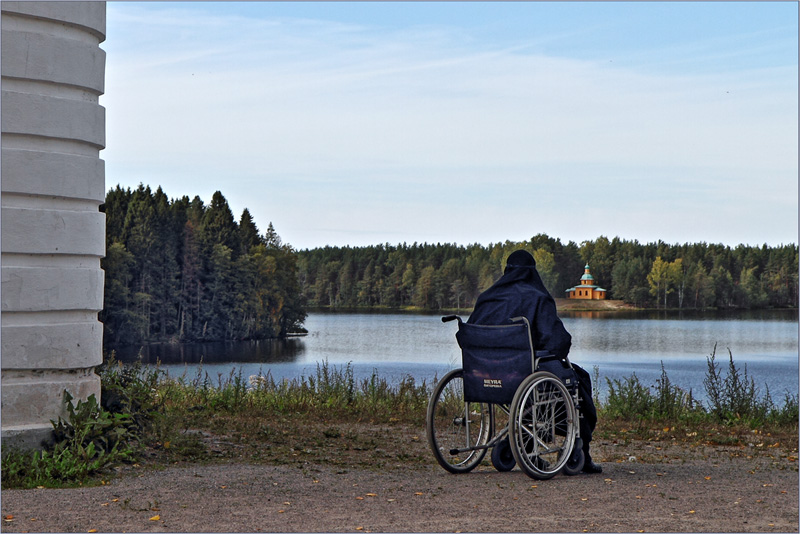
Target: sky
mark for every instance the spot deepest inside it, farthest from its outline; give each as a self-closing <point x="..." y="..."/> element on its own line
<point x="364" y="123"/>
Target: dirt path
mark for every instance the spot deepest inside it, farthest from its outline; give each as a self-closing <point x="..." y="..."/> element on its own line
<point x="678" y="490"/>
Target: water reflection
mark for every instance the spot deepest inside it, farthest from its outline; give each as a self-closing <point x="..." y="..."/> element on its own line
<point x="764" y="339"/>
<point x="584" y="314"/>
<point x="260" y="351"/>
<point x="787" y="315"/>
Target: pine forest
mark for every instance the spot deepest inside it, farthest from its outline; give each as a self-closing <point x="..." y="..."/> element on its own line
<point x="178" y="270"/>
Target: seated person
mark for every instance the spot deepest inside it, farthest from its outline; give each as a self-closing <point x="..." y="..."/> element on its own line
<point x="521" y="292"/>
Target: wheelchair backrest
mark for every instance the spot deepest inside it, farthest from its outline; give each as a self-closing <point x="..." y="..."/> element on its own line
<point x="496" y="359"/>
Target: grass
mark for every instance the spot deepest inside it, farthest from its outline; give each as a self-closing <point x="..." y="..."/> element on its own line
<point x="330" y="395"/>
<point x="333" y="419"/>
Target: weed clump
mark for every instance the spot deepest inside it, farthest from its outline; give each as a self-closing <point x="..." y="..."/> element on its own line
<point x="89" y="440"/>
<point x="94" y="435"/>
<point x="733" y="397"/>
<point x="630" y="399"/>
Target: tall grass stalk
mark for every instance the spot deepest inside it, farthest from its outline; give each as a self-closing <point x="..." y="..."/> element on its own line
<point x="732" y="398"/>
<point x="331" y="393"/>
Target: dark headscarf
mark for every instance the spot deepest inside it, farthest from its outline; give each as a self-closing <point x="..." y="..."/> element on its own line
<point x="521" y="292"/>
<point x="521" y="267"/>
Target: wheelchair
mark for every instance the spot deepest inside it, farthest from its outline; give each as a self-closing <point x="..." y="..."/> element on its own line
<point x="531" y="396"/>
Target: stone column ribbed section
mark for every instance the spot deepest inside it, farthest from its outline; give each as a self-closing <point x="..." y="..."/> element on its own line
<point x="53" y="233"/>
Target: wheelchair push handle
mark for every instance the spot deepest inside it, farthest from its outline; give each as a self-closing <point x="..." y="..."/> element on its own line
<point x="448" y="318"/>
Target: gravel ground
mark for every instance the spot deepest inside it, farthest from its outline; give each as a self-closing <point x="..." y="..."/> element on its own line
<point x="658" y="488"/>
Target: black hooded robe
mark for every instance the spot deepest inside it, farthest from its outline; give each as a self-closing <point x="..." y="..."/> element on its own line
<point x="521" y="292"/>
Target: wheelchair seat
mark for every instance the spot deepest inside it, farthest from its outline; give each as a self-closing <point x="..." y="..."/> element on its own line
<point x="496" y="359"/>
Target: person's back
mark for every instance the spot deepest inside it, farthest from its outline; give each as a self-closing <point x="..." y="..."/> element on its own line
<point x="521" y="292"/>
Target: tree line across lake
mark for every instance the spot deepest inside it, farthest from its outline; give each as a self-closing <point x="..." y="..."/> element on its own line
<point x="180" y="270"/>
<point x="652" y="275"/>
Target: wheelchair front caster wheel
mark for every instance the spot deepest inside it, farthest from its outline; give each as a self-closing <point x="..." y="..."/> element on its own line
<point x="502" y="457"/>
<point x="575" y="463"/>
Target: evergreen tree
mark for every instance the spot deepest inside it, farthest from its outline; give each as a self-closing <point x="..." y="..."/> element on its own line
<point x="218" y="227"/>
<point x="181" y="271"/>
<point x="248" y="233"/>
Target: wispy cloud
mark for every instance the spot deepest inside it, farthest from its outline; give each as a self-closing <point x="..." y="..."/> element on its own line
<point x="380" y="122"/>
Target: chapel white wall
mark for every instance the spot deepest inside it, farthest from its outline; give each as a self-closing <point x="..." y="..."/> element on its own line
<point x="52" y="233"/>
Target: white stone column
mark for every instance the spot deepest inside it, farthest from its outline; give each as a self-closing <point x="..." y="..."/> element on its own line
<point x="52" y="233"/>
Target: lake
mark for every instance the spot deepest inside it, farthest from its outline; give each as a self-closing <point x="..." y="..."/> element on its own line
<point x="619" y="344"/>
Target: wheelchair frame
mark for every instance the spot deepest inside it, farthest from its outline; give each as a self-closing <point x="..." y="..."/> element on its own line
<point x="541" y="434"/>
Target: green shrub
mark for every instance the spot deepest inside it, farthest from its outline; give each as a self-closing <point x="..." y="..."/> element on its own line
<point x="95" y="434"/>
<point x="89" y="440"/>
<point x="786" y="415"/>
<point x="131" y="390"/>
<point x="734" y="396"/>
<point x="628" y="399"/>
<point x="671" y="402"/>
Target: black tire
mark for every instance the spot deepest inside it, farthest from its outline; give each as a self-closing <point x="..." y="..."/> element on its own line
<point x="575" y="463"/>
<point x="502" y="457"/>
<point x="452" y="423"/>
<point x="542" y="425"/>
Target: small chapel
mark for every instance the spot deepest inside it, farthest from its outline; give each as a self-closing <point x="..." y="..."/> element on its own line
<point x="587" y="290"/>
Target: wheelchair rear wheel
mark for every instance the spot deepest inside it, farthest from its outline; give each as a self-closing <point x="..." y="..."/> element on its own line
<point x="542" y="426"/>
<point x="455" y="427"/>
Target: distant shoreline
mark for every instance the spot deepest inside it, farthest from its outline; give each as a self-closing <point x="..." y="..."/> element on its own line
<point x="593" y="305"/>
<point x="562" y="304"/>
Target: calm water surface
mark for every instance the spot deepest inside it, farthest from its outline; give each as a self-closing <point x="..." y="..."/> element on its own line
<point x="619" y="345"/>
